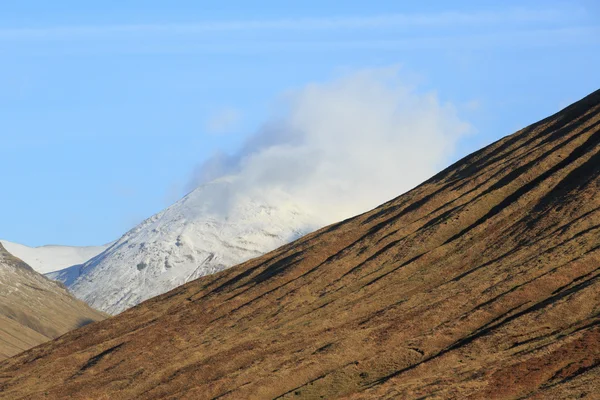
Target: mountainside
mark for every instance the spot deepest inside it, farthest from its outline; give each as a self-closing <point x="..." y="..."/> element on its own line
<point x="483" y="282"/>
<point x="194" y="237"/>
<point x="34" y="309"/>
<point x="45" y="259"/>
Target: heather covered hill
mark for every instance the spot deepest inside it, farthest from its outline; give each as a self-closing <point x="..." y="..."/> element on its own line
<point x="483" y="282"/>
<point x="34" y="309"/>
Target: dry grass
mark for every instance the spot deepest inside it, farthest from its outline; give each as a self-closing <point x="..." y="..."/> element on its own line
<point x="484" y="282"/>
<point x="34" y="310"/>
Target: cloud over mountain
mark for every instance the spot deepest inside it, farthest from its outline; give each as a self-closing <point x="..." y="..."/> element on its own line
<point x="342" y="147"/>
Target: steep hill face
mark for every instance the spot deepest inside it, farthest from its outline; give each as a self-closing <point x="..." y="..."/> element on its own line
<point x="192" y="238"/>
<point x="34" y="309"/>
<point x="45" y="259"/>
<point x="483" y="282"/>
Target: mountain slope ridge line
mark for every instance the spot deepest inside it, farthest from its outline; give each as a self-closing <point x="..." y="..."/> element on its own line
<point x="383" y="305"/>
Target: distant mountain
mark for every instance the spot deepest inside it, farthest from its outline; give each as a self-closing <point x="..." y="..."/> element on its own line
<point x="45" y="259"/>
<point x="34" y="309"/>
<point x="194" y="237"/>
<point x="481" y="283"/>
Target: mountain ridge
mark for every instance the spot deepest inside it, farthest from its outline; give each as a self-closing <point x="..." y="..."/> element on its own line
<point x="34" y="309"/>
<point x="484" y="281"/>
<point x="50" y="258"/>
<point x="196" y="236"/>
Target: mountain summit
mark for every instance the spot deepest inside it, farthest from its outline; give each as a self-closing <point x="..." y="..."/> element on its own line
<point x="198" y="235"/>
<point x="483" y="282"/>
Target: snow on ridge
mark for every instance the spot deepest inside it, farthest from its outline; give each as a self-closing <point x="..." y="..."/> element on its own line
<point x="50" y="258"/>
<point x="196" y="236"/>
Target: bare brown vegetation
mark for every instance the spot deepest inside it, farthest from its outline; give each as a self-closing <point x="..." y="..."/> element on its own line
<point x="483" y="282"/>
<point x="34" y="309"/>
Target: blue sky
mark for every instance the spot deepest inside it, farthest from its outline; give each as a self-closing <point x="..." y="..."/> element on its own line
<point x="107" y="108"/>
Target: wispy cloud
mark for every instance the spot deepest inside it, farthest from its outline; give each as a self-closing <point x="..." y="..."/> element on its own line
<point x="341" y="147"/>
<point x="223" y="121"/>
<point x="394" y="21"/>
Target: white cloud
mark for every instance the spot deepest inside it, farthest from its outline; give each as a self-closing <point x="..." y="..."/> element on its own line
<point x="343" y="147"/>
<point x="223" y="121"/>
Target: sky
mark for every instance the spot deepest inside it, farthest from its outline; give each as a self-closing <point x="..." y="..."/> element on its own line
<point x="111" y="110"/>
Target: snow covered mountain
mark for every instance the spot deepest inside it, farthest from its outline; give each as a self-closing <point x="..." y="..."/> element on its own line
<point x="194" y="237"/>
<point x="45" y="259"/>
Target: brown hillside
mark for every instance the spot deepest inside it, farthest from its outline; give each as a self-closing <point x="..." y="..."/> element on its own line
<point x="34" y="309"/>
<point x="483" y="282"/>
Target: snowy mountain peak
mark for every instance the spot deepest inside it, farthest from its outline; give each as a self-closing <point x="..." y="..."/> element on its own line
<point x="45" y="259"/>
<point x="197" y="236"/>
